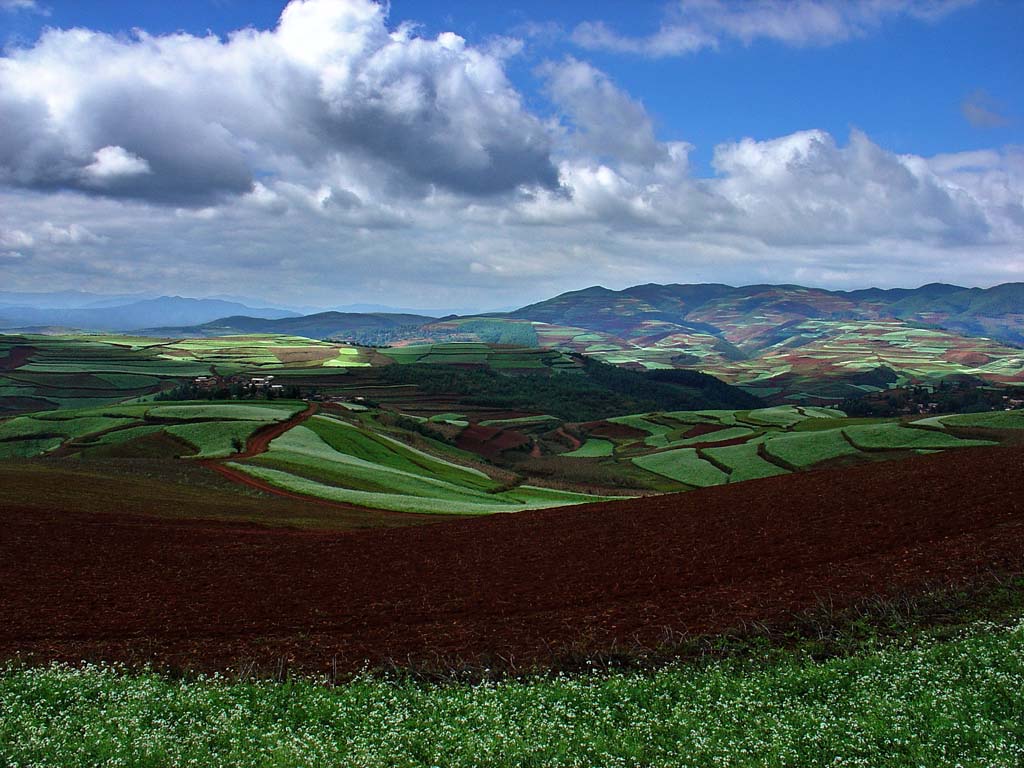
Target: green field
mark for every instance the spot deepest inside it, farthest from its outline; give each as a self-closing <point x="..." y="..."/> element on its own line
<point x="744" y="462"/>
<point x="805" y="449"/>
<point x="214" y="430"/>
<point x="336" y="461"/>
<point x="684" y="466"/>
<point x="874" y="437"/>
<point x="990" y="420"/>
<point x="593" y="449"/>
<point x="956" y="701"/>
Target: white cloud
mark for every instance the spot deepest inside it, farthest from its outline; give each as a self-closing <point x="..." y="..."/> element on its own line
<point x="73" y="234"/>
<point x="330" y="85"/>
<point x="339" y="159"/>
<point x="13" y="6"/>
<point x="15" y="238"/>
<point x="692" y="25"/>
<point x="606" y="122"/>
<point x="114" y="162"/>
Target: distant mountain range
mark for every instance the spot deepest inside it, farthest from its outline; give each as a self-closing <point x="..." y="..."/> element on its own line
<point x="746" y="317"/>
<point x="780" y="342"/>
<point x="349" y="325"/>
<point x="108" y="315"/>
<point x="740" y="315"/>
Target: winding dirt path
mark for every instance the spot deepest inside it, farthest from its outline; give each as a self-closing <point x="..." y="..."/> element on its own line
<point x="574" y="441"/>
<point x="259" y="442"/>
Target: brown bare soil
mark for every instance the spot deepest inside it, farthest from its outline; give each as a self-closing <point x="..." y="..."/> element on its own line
<point x="16" y="358"/>
<point x="260" y="440"/>
<point x="613" y="431"/>
<point x="507" y="590"/>
<point x="490" y="441"/>
<point x="703" y="429"/>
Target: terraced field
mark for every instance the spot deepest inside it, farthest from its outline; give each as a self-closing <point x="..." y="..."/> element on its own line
<point x="509" y="358"/>
<point x="339" y="461"/>
<point x="82" y="397"/>
<point x="702" y="448"/>
<point x="199" y="430"/>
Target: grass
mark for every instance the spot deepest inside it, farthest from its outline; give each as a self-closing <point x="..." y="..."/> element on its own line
<point x="593" y="449"/>
<point x="244" y="412"/>
<point x="729" y="433"/>
<point x="933" y="702"/>
<point x="338" y="462"/>
<point x="744" y="462"/>
<point x="873" y="437"/>
<point x="24" y="449"/>
<point x="992" y="420"/>
<point x="215" y="439"/>
<point x="683" y="465"/>
<point x="804" y="449"/>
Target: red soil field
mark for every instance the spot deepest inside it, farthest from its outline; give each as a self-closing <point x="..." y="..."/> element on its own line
<point x="490" y="441"/>
<point x="16" y="358"/>
<point x="703" y="429"/>
<point x="612" y="431"/>
<point x="506" y="590"/>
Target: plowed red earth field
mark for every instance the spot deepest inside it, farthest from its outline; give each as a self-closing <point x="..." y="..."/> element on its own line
<point x="525" y="587"/>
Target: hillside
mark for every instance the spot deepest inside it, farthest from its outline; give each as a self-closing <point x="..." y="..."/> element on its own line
<point x="366" y="328"/>
<point x="535" y="587"/>
<point x="741" y="315"/>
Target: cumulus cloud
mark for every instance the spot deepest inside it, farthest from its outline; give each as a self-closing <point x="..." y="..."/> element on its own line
<point x="692" y="25"/>
<point x="338" y="157"/>
<point x="805" y="187"/>
<point x="112" y="163"/>
<point x="192" y="120"/>
<point x="606" y="122"/>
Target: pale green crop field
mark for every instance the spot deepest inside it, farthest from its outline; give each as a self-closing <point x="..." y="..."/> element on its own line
<point x="213" y="429"/>
<point x="593" y="449"/>
<point x="804" y="449"/>
<point x="683" y="465"/>
<point x="215" y="439"/>
<point x="336" y="461"/>
<point x="744" y="462"/>
<point x="872" y="437"/>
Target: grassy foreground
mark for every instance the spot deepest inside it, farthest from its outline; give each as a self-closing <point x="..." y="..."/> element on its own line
<point x="958" y="701"/>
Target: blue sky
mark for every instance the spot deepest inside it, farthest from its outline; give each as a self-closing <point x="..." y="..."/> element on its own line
<point x="627" y="129"/>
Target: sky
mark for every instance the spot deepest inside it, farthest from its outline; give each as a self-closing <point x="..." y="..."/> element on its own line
<point x="478" y="155"/>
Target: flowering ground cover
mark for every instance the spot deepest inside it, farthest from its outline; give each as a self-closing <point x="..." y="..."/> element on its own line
<point x="933" y="702"/>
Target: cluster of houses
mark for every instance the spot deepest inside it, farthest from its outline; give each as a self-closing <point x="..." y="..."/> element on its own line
<point x="252" y="383"/>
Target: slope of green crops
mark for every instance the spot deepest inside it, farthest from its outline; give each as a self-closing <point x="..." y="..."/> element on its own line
<point x="593" y="449"/>
<point x="391" y="476"/>
<point x="992" y="420"/>
<point x="683" y="465"/>
<point x="215" y="439"/>
<point x="730" y="433"/>
<point x="744" y="461"/>
<point x="27" y="426"/>
<point x="244" y="412"/>
<point x="381" y="450"/>
<point x="873" y="437"/>
<point x="27" y="449"/>
<point x="803" y="449"/>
